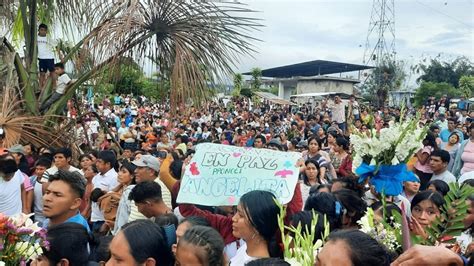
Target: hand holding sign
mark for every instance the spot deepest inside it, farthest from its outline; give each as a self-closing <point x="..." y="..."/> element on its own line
<point x="220" y="174"/>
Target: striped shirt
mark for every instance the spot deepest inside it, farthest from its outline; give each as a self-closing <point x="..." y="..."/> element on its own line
<point x="165" y="195"/>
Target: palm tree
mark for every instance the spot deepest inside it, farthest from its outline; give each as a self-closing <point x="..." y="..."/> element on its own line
<point x="192" y="42"/>
<point x="16" y="124"/>
<point x="181" y="36"/>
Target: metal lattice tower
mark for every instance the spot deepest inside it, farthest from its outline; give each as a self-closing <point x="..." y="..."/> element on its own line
<point x="380" y="43"/>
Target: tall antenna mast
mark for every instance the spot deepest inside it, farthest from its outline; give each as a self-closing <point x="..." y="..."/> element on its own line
<point x="380" y="43"/>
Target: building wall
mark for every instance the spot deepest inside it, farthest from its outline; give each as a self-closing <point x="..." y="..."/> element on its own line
<point x="396" y="99"/>
<point x="308" y="86"/>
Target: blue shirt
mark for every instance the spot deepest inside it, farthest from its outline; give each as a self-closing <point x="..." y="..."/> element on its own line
<point x="78" y="219"/>
<point x="128" y="120"/>
<point x="250" y="142"/>
<point x="117" y="100"/>
<point x="445" y="133"/>
<point x="117" y="121"/>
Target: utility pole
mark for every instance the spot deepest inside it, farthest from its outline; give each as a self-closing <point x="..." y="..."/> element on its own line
<point x="380" y="43"/>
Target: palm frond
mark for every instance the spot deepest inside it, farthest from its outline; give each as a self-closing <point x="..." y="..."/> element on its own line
<point x="17" y="125"/>
<point x="196" y="42"/>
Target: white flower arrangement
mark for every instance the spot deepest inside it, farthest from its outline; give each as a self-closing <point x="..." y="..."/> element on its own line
<point x="385" y="234"/>
<point x="390" y="146"/>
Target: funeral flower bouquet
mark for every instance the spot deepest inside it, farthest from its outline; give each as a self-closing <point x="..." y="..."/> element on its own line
<point x="21" y="240"/>
<point x="382" y="157"/>
<point x="387" y="234"/>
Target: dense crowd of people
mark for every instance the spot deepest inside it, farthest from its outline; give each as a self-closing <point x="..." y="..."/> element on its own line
<point x="111" y="197"/>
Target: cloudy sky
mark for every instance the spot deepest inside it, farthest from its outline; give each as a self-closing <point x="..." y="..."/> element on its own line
<point x="303" y="30"/>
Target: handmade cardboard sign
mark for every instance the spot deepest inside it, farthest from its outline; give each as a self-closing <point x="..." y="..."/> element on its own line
<point x="218" y="175"/>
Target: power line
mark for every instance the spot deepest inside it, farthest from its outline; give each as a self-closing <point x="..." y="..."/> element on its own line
<point x="444" y="14"/>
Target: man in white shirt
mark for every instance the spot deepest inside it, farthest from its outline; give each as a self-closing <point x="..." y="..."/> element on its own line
<point x="439" y="161"/>
<point x="11" y="187"/>
<point x="354" y="105"/>
<point x="63" y="81"/>
<point x="45" y="55"/>
<point x="62" y="159"/>
<point x="148" y="168"/>
<point x="40" y="168"/>
<point x="94" y="127"/>
<point x="106" y="180"/>
<point x="338" y="112"/>
<point x="123" y="130"/>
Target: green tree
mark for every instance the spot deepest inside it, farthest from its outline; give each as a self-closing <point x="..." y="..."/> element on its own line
<point x="273" y="90"/>
<point x="157" y="88"/>
<point x="450" y="72"/>
<point x="181" y="36"/>
<point x="428" y="89"/>
<point x="466" y="85"/>
<point x="237" y="84"/>
<point x="389" y="76"/>
<point x="256" y="81"/>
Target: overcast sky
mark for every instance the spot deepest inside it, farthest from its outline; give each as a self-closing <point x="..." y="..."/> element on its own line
<point x="297" y="31"/>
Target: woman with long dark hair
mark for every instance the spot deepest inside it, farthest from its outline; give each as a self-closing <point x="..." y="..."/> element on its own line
<point x="126" y="178"/>
<point x="426" y="206"/>
<point x="255" y="222"/>
<point x="353" y="247"/>
<point x="340" y="158"/>
<point x="322" y="158"/>
<point x="310" y="177"/>
<point x="140" y="242"/>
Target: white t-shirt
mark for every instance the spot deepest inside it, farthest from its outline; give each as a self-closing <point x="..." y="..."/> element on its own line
<point x="107" y="112"/>
<point x="466" y="176"/>
<point x="63" y="80"/>
<point x="38" y="203"/>
<point x="106" y="182"/>
<point x="355" y="108"/>
<point x="122" y="131"/>
<point x="45" y="48"/>
<point x="445" y="176"/>
<point x="94" y="126"/>
<point x="241" y="257"/>
<point x="53" y="170"/>
<point x="338" y="112"/>
<point x="10" y="195"/>
<point x="304" y="191"/>
<point x="231" y="249"/>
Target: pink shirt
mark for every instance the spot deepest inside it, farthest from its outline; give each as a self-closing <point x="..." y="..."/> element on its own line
<point x="468" y="158"/>
<point x="425" y="168"/>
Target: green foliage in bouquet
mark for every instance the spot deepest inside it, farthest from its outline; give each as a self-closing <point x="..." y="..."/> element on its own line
<point x="387" y="231"/>
<point x="449" y="225"/>
<point x="389" y="146"/>
<point x="299" y="245"/>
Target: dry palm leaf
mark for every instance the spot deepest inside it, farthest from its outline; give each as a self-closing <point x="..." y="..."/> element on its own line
<point x="19" y="127"/>
<point x="195" y="43"/>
